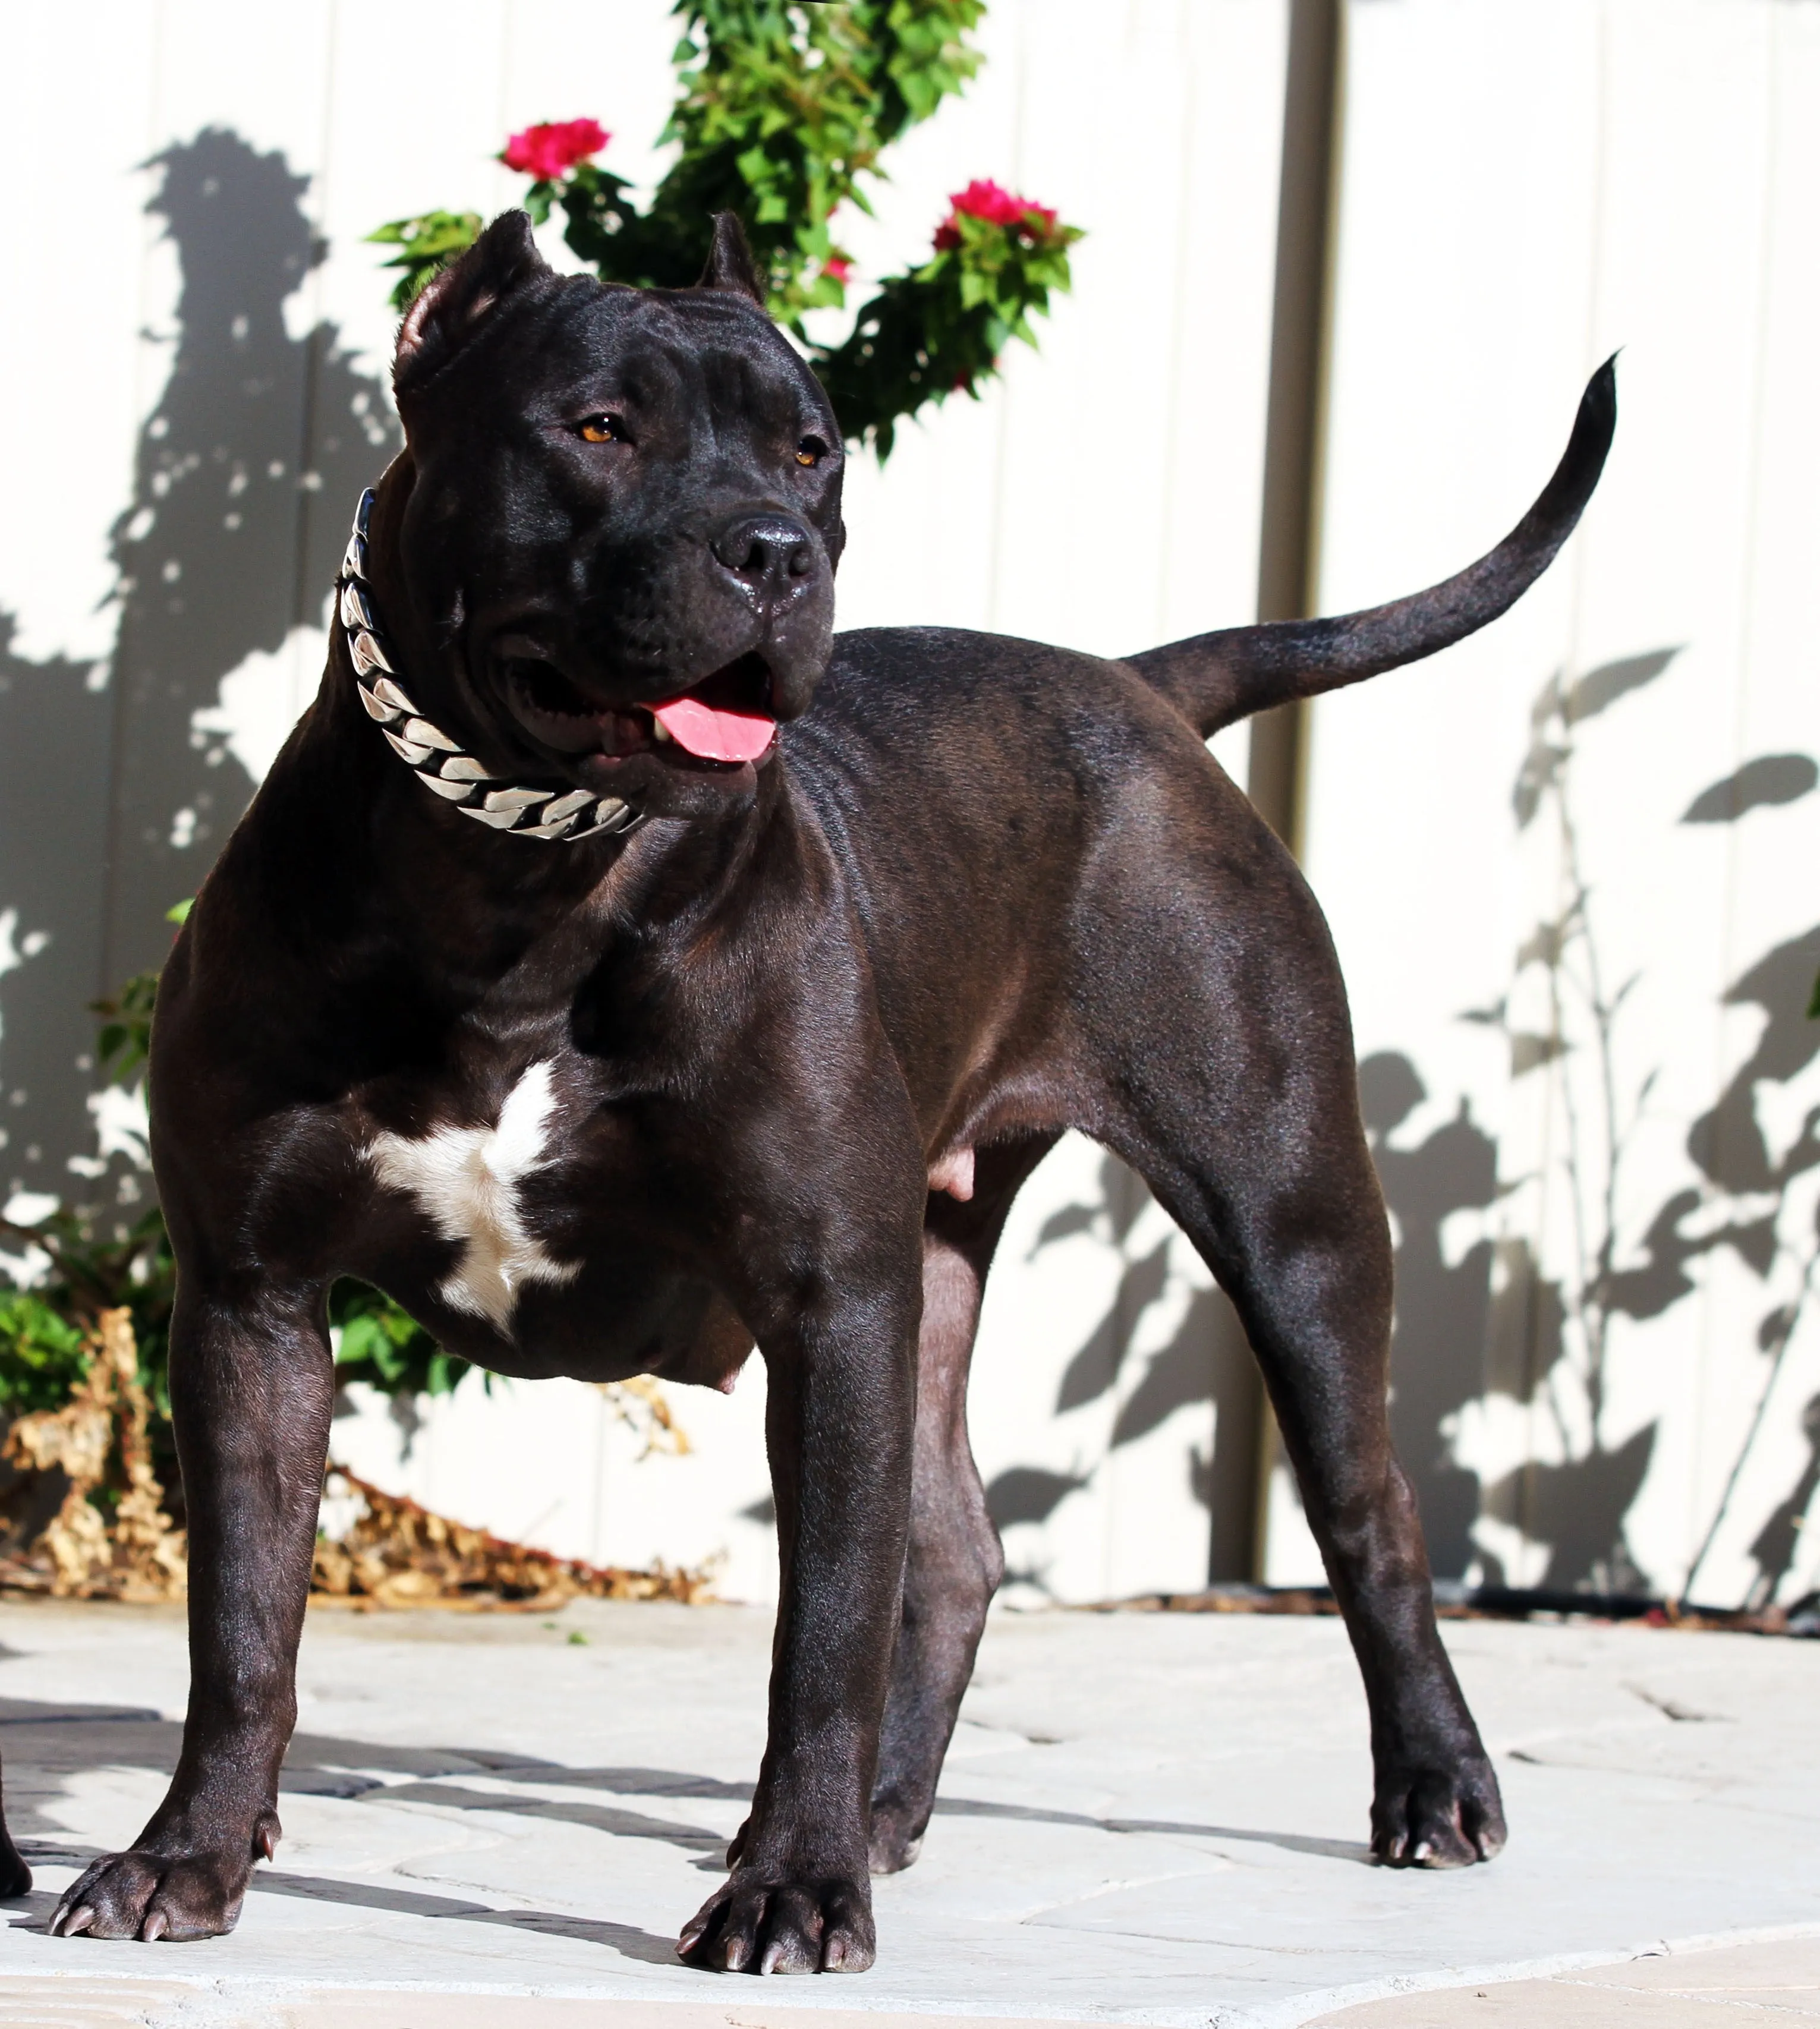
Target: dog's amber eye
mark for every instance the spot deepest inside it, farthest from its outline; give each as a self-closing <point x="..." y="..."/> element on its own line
<point x="811" y="451"/>
<point x="602" y="429"/>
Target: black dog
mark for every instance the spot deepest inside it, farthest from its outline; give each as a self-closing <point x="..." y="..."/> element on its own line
<point x="753" y="1038"/>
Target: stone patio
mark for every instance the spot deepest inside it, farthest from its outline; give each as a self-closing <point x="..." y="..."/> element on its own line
<point x="504" y="1819"/>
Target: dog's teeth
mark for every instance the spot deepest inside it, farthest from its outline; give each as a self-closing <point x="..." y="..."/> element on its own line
<point x="459" y="767"/>
<point x="660" y="732"/>
<point x="514" y="800"/>
<point x="408" y="749"/>
<point x="383" y="713"/>
<point x="499" y="820"/>
<point x="566" y="806"/>
<point x="557" y="828"/>
<point x="455" y="792"/>
<point x="387" y="692"/>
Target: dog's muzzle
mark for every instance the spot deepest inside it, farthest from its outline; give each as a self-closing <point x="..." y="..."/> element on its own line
<point x="438" y="762"/>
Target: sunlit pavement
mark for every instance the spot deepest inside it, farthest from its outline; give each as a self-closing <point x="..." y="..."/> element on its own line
<point x="504" y="1819"/>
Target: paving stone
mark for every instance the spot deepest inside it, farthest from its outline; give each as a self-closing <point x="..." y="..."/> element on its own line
<point x="1698" y="1990"/>
<point x="1146" y="1818"/>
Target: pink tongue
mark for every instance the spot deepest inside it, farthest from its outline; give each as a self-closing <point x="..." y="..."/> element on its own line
<point x="712" y="735"/>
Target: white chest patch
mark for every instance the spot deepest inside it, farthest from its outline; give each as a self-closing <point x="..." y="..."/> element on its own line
<point x="467" y="1179"/>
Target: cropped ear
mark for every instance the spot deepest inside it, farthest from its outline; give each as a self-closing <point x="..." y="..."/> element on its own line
<point x="454" y="306"/>
<point x="729" y="262"/>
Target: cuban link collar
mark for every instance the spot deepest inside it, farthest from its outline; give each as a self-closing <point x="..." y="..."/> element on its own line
<point x="438" y="762"/>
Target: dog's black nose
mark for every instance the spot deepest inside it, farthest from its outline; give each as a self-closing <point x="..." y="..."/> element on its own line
<point x="771" y="554"/>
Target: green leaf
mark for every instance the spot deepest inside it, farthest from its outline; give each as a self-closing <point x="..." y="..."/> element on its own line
<point x="123" y="1041"/>
<point x="426" y="244"/>
<point x="383" y="1346"/>
<point x="941" y="328"/>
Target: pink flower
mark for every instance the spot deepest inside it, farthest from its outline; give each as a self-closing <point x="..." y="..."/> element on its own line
<point x="547" y="150"/>
<point x="984" y="198"/>
<point x="838" y="268"/>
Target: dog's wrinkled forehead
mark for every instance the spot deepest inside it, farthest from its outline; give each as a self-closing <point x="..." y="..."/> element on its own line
<point x="500" y="352"/>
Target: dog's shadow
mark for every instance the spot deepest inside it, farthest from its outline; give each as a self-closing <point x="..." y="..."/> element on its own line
<point x="43" y="1744"/>
<point x="624" y="1938"/>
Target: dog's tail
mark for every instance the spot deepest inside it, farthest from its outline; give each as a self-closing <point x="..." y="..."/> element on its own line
<point x="1216" y="679"/>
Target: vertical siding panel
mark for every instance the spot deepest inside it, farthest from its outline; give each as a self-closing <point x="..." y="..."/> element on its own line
<point x="1610" y="175"/>
<point x="75" y="372"/>
<point x="189" y="618"/>
<point x="1160" y="133"/>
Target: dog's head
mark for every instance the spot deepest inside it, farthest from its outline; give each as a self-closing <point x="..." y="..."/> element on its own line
<point x="617" y="552"/>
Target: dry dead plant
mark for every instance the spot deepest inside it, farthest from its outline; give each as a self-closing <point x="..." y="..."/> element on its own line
<point x="397" y="1553"/>
<point x="641" y="1405"/>
<point x="133" y="1552"/>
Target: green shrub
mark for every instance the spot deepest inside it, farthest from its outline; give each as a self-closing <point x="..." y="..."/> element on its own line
<point x="783" y="110"/>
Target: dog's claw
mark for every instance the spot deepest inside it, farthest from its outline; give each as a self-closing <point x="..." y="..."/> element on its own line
<point x="759" y="1927"/>
<point x="152" y="1895"/>
<point x="1438" y="1817"/>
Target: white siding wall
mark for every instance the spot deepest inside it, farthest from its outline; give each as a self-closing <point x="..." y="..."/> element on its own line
<point x="1104" y="495"/>
<point x="1527" y="187"/>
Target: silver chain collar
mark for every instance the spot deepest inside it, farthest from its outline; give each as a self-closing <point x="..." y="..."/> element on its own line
<point x="439" y="762"/>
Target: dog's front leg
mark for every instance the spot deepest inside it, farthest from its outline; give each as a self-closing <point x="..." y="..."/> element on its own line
<point x="839" y="1421"/>
<point x="252" y="1384"/>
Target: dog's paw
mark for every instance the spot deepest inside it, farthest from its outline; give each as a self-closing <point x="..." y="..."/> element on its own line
<point x="753" y="1925"/>
<point x="150" y="1896"/>
<point x="1438" y="1816"/>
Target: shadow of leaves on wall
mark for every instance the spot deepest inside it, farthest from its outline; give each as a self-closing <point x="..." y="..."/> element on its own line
<point x="1205" y="1360"/>
<point x="244" y="476"/>
<point x="55" y="723"/>
<point x="1544" y="1336"/>
<point x="1442" y="1308"/>
<point x="247" y="473"/>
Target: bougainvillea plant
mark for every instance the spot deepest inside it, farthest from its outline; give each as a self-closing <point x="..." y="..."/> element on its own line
<point x="783" y="110"/>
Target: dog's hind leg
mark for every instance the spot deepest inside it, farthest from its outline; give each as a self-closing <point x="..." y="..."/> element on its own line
<point x="954" y="1563"/>
<point x="1230" y="1085"/>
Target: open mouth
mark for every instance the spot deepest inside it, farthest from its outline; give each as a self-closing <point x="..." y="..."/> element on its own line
<point x="724" y="721"/>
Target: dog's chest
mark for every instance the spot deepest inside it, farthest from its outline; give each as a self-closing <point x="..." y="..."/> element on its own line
<point x="469" y="1181"/>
